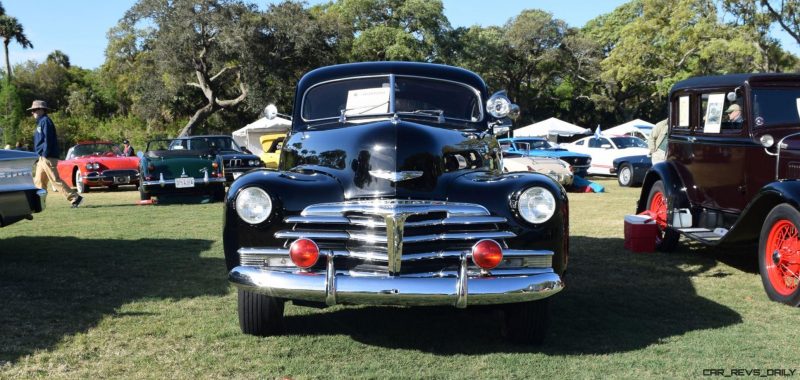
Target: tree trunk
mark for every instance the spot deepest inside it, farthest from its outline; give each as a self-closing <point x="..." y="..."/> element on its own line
<point x="6" y="41"/>
<point x="199" y="116"/>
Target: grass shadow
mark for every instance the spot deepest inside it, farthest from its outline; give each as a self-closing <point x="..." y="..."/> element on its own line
<point x="54" y="286"/>
<point x="615" y="301"/>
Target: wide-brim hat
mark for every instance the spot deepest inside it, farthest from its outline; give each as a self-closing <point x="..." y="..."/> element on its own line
<point x="38" y="105"/>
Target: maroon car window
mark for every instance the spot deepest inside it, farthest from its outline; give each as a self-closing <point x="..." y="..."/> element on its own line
<point x="775" y="107"/>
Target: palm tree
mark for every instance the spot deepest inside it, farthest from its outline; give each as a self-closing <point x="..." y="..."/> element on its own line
<point x="11" y="29"/>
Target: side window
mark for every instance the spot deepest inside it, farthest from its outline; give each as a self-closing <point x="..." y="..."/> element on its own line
<point x="719" y="114"/>
<point x="595" y="143"/>
<point x="579" y="142"/>
<point x="681" y="112"/>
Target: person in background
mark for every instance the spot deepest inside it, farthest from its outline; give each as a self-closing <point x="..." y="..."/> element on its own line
<point x="45" y="144"/>
<point x="19" y="146"/>
<point x="7" y="147"/>
<point x="656" y="142"/>
<point x="127" y="149"/>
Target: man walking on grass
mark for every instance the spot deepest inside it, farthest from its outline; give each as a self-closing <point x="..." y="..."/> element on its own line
<point x="45" y="144"/>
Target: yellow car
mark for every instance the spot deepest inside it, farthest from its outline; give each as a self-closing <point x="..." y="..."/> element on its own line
<point x="272" y="143"/>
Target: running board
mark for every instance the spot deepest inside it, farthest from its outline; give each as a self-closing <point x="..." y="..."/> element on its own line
<point x="703" y="235"/>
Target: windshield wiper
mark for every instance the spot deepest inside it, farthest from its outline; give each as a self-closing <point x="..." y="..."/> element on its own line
<point x="438" y="113"/>
<point x="343" y="111"/>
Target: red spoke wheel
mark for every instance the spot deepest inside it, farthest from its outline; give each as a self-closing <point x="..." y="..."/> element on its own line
<point x="779" y="255"/>
<point x="667" y="238"/>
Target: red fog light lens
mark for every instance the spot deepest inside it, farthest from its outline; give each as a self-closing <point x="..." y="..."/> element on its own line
<point x="304" y="253"/>
<point x="487" y="254"/>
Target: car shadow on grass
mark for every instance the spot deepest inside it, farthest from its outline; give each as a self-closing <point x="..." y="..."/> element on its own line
<point x="615" y="301"/>
<point x="54" y="286"/>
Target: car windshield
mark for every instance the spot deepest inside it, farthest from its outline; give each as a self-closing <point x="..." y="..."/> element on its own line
<point x="372" y="96"/>
<point x="94" y="149"/>
<point x="200" y="143"/>
<point x="774" y="107"/>
<point x="538" y="144"/>
<point x="628" y="142"/>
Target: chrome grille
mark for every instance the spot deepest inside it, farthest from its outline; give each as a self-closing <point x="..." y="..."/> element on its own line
<point x="395" y="236"/>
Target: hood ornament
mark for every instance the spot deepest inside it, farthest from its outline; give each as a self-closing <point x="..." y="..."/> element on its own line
<point x="395" y="176"/>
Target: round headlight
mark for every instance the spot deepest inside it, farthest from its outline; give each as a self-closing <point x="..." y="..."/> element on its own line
<point x="253" y="205"/>
<point x="767" y="141"/>
<point x="536" y="205"/>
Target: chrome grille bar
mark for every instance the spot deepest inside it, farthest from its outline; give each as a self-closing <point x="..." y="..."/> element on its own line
<point x="394" y="207"/>
<point x="383" y="239"/>
<point x="455" y="220"/>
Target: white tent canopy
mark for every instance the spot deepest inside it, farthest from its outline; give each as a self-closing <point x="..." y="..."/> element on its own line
<point x="551" y="127"/>
<point x="631" y="127"/>
<point x="248" y="137"/>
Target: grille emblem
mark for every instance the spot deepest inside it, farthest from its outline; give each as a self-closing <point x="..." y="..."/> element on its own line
<point x="395" y="176"/>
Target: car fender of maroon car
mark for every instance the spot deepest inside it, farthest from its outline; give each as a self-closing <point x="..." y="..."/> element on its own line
<point x="733" y="182"/>
<point x="91" y="164"/>
<point x="390" y="191"/>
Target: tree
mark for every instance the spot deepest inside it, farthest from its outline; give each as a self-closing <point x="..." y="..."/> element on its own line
<point x="60" y="58"/>
<point x="11" y="29"/>
<point x="202" y="45"/>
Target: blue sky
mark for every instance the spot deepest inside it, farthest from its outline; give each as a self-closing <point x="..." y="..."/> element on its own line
<point x="79" y="27"/>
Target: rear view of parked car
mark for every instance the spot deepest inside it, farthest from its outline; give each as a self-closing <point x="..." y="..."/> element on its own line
<point x="181" y="166"/>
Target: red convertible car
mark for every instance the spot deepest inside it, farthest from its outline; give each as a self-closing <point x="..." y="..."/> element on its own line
<point x="98" y="163"/>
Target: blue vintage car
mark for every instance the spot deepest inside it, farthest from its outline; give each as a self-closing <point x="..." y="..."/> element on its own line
<point x="390" y="191"/>
<point x="630" y="170"/>
<point x="539" y="147"/>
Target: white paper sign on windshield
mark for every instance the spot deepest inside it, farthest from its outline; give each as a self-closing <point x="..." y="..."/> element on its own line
<point x="714" y="113"/>
<point x="683" y="111"/>
<point x="367" y="101"/>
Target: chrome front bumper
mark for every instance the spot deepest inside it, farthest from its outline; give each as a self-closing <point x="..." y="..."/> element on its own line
<point x="461" y="289"/>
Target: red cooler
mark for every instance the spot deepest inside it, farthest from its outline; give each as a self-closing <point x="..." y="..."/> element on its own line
<point x="640" y="233"/>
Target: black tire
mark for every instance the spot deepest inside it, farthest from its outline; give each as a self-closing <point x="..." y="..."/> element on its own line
<point x="259" y="314"/>
<point x="667" y="238"/>
<point x="527" y="322"/>
<point x="625" y="175"/>
<point x="779" y="286"/>
<point x="143" y="195"/>
<point x="80" y="187"/>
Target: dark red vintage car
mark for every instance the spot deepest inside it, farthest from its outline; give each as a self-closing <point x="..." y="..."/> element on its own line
<point x="731" y="173"/>
<point x="98" y="163"/>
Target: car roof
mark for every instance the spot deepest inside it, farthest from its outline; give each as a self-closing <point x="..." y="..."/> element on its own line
<point x="731" y="80"/>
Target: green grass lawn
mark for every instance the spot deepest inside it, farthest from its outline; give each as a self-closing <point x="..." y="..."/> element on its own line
<point x="115" y="289"/>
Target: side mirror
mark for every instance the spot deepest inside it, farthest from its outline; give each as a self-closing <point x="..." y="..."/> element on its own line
<point x="499" y="106"/>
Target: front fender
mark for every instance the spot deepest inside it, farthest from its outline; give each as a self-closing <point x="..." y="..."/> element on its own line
<point x="290" y="193"/>
<point x="673" y="186"/>
<point x="748" y="228"/>
<point x="498" y="192"/>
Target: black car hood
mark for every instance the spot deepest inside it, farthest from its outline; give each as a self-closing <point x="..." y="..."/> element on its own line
<point x="390" y="158"/>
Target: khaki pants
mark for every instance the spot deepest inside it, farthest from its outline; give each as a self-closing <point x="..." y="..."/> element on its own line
<point x="46" y="172"/>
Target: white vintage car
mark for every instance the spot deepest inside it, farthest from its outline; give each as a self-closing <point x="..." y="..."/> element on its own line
<point x="554" y="168"/>
<point x="19" y="199"/>
<point x="605" y="149"/>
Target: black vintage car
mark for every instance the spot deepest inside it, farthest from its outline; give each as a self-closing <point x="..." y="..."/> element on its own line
<point x="390" y="191"/>
<point x="731" y="172"/>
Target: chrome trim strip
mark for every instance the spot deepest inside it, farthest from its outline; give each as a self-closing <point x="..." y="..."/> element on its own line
<point x="394" y="207"/>
<point x="312" y="235"/>
<point x="507" y="253"/>
<point x="397" y="290"/>
<point x="385" y="239"/>
<point x="449" y="221"/>
<point x="394" y="241"/>
<point x="460" y="236"/>
<point x="172" y="182"/>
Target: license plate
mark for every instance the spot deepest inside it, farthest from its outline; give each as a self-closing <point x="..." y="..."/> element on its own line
<point x="237" y="175"/>
<point x="118" y="180"/>
<point x="184" y="182"/>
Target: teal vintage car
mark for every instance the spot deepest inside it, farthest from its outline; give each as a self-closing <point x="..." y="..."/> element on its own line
<point x="181" y="166"/>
